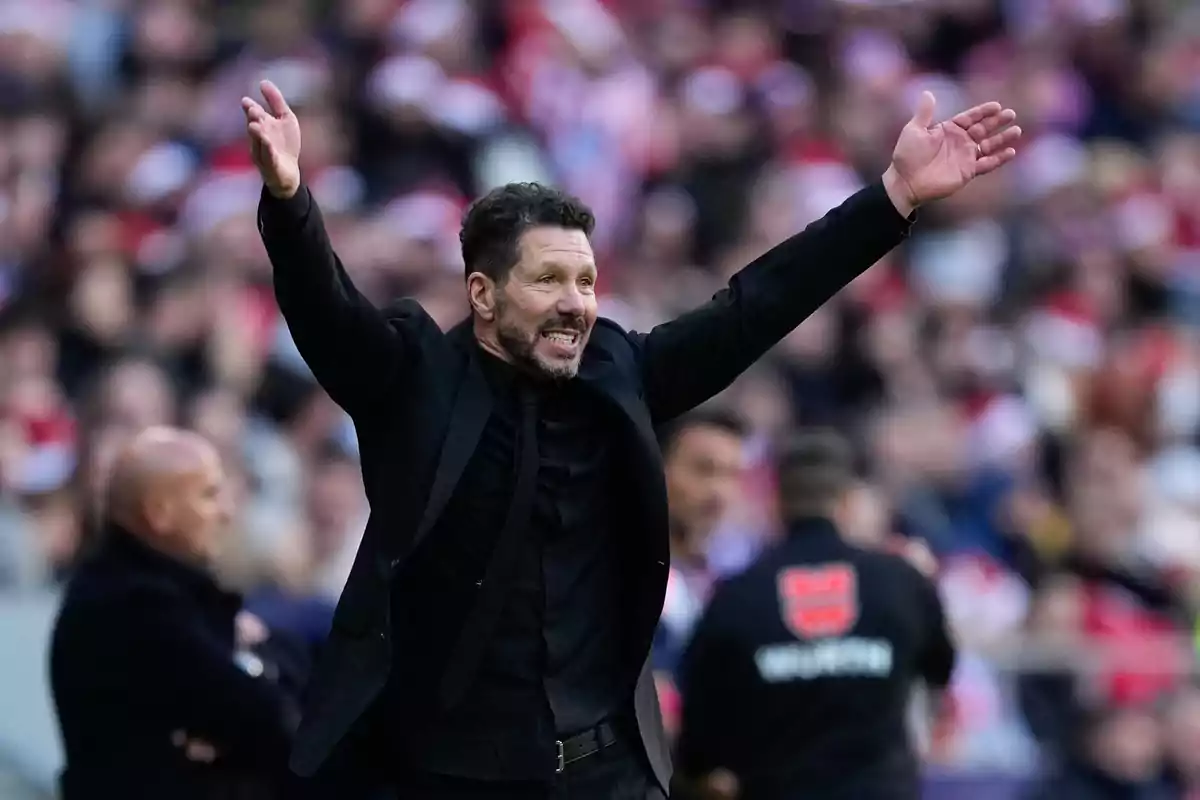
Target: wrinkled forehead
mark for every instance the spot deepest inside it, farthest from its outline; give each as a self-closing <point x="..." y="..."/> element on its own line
<point x="547" y="246"/>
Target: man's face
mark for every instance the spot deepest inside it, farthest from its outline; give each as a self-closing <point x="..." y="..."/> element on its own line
<point x="1128" y="745"/>
<point x="704" y="468"/>
<point x="201" y="508"/>
<point x="546" y="307"/>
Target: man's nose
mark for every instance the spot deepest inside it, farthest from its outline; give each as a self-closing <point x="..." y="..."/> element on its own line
<point x="226" y="510"/>
<point x="570" y="302"/>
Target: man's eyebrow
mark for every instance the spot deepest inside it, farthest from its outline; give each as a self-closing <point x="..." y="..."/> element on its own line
<point x="552" y="264"/>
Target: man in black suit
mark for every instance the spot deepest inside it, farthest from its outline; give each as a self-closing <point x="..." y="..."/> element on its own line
<point x="156" y="681"/>
<point x="492" y="638"/>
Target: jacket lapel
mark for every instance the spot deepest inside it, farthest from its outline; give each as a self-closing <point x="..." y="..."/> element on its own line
<point x="472" y="408"/>
<point x="603" y="377"/>
<point x="646" y="486"/>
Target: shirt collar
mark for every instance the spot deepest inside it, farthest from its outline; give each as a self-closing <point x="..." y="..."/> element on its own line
<point x="499" y="374"/>
<point x="812" y="527"/>
<point x="503" y="378"/>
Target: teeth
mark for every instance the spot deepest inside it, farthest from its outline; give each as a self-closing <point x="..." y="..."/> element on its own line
<point x="568" y="338"/>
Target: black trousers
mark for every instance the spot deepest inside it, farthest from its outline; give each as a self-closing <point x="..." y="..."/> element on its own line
<point x="615" y="773"/>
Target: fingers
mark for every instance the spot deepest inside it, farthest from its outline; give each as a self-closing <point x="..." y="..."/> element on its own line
<point x="274" y="98"/>
<point x="257" y="116"/>
<point x="991" y="124"/>
<point x="257" y="122"/>
<point x="1003" y="140"/>
<point x="925" y="107"/>
<point x="258" y="132"/>
<point x="979" y="113"/>
<point x="262" y="148"/>
<point x="253" y="110"/>
<point x="993" y="162"/>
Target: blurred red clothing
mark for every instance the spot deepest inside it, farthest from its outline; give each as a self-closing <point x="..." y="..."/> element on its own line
<point x="1149" y="664"/>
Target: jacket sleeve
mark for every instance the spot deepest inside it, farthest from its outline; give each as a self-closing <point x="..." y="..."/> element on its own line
<point x="354" y="350"/>
<point x="690" y="359"/>
<point x="192" y="677"/>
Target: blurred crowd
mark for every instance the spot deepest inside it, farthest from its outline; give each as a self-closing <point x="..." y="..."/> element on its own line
<point x="1022" y="379"/>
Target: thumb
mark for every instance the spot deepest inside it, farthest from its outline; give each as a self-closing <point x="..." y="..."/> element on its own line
<point x="924" y="113"/>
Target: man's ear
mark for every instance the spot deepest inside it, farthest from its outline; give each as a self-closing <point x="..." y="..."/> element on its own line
<point x="844" y="511"/>
<point x="159" y="512"/>
<point x="481" y="293"/>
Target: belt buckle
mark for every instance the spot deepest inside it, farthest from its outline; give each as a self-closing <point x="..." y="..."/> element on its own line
<point x="562" y="764"/>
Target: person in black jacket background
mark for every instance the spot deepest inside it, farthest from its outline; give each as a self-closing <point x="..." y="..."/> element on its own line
<point x="800" y="676"/>
<point x="483" y="645"/>
<point x="163" y="688"/>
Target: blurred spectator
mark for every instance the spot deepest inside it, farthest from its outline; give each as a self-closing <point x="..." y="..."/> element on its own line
<point x="1119" y="754"/>
<point x="703" y="460"/>
<point x="800" y="672"/>
<point x="703" y="457"/>
<point x="1181" y="741"/>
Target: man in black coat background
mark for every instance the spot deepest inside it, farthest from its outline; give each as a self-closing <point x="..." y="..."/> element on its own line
<point x="492" y="638"/>
<point x="161" y="684"/>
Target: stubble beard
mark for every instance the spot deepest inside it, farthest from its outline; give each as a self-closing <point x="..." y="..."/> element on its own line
<point x="522" y="348"/>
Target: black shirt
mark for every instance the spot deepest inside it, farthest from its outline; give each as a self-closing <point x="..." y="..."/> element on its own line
<point x="800" y="674"/>
<point x="550" y="668"/>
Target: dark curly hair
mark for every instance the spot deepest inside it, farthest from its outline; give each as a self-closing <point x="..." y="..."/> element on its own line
<point x="493" y="224"/>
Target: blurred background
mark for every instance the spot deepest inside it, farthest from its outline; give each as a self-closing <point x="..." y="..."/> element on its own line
<point x="1022" y="378"/>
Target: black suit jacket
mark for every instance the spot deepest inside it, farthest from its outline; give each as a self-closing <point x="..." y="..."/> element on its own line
<point x="144" y="646"/>
<point x="419" y="403"/>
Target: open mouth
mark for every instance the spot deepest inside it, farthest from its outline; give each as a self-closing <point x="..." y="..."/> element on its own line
<point x="564" y="337"/>
<point x="564" y="341"/>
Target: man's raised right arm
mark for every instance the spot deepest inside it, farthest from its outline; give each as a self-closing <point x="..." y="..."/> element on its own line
<point x="353" y="348"/>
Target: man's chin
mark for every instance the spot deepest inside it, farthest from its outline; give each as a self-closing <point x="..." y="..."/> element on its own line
<point x="556" y="369"/>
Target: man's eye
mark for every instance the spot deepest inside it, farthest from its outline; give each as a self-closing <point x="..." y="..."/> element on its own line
<point x="546" y="279"/>
<point x="588" y="281"/>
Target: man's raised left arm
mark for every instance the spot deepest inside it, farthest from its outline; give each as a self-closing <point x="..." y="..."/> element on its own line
<point x="692" y="358"/>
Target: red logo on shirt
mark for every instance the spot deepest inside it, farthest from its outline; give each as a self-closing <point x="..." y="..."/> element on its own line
<point x="819" y="601"/>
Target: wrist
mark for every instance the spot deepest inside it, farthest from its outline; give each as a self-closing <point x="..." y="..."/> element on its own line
<point x="285" y="192"/>
<point x="899" y="192"/>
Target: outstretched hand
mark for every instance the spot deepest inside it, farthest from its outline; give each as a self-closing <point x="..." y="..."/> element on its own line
<point x="274" y="134"/>
<point x="932" y="161"/>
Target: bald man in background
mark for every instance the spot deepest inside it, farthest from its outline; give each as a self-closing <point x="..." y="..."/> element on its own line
<point x="158" y="691"/>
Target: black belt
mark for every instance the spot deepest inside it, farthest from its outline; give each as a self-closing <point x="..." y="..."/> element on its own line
<point x="585" y="744"/>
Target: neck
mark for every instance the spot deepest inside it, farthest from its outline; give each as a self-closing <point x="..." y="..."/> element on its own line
<point x="802" y="525"/>
<point x="492" y="347"/>
<point x="488" y="341"/>
<point x="139" y="531"/>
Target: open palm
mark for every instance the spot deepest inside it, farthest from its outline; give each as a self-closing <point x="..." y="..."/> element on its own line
<point x="935" y="161"/>
<point x="274" y="140"/>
